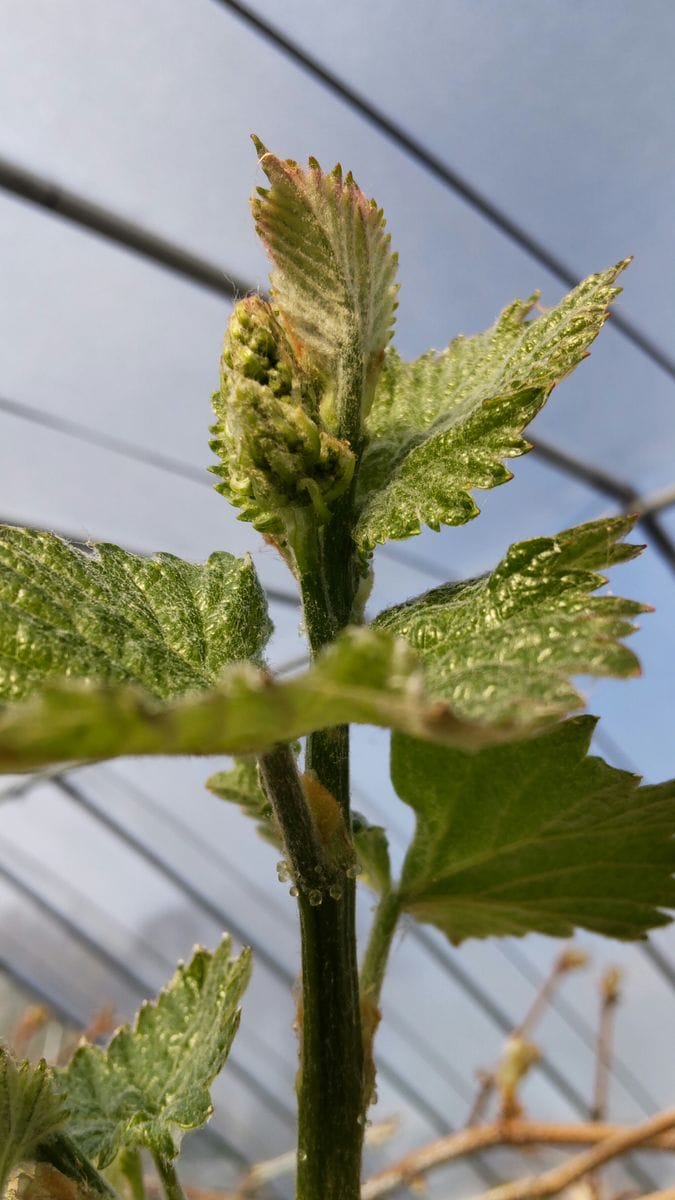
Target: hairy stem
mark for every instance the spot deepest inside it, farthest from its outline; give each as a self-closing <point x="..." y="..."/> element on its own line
<point x="131" y="1167"/>
<point x="284" y="790"/>
<point x="330" y="1082"/>
<point x="331" y="1077"/>
<point x="171" y="1184"/>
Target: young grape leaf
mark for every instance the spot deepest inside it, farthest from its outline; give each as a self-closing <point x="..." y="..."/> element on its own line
<point x="31" y="1112"/>
<point x="372" y="850"/>
<point x="152" y="1083"/>
<point x="502" y="648"/>
<point x="111" y="616"/>
<point x="367" y="676"/>
<point x="241" y="785"/>
<point x="440" y="427"/>
<point x="334" y="284"/>
<point x="534" y="836"/>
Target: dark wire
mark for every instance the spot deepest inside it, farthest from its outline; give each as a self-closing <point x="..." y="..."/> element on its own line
<point x="594" y="477"/>
<point x="68" y="205"/>
<point x="435" y="166"/>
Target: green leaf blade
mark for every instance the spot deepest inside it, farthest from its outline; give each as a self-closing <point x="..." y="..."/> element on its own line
<point x="502" y="648"/>
<point x="113" y="617"/>
<point x="534" y="836"/>
<point x="497" y="653"/>
<point x="31" y="1112"/>
<point x="441" y="426"/>
<point x="152" y="1083"/>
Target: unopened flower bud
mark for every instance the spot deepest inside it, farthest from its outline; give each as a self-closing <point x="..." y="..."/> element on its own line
<point x="254" y="347"/>
<point x="518" y="1058"/>
<point x="572" y="958"/>
<point x="610" y="986"/>
<point x="274" y="453"/>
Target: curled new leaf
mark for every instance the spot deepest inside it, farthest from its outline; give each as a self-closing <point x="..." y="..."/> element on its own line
<point x="334" y="283"/>
<point x="502" y="648"/>
<point x="152" y="1083"/>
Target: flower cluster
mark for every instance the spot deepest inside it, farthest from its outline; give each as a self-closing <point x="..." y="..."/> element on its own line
<point x="275" y="455"/>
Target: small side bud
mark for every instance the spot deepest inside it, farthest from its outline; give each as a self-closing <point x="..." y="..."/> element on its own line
<point x="517" y="1060"/>
<point x="610" y="986"/>
<point x="572" y="959"/>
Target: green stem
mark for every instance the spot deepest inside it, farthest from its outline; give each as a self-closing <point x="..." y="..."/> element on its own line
<point x="131" y="1167"/>
<point x="379" y="944"/>
<point x="280" y="779"/>
<point x="331" y="1083"/>
<point x="6" y="1165"/>
<point x="331" y="1078"/>
<point x="169" y="1179"/>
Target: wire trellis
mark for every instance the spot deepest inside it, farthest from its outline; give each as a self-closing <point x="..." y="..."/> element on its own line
<point x="70" y="206"/>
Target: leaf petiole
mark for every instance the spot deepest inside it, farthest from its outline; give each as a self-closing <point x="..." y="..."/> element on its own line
<point x="170" y="1182"/>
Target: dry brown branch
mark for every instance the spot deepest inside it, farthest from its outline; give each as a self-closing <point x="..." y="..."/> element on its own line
<point x="610" y="994"/>
<point x="511" y="1133"/>
<point x="486" y="1083"/>
<point x="569" y="959"/>
<point x="153" y="1189"/>
<point x="32" y="1021"/>
<point x="552" y="1182"/>
<point x="194" y="1193"/>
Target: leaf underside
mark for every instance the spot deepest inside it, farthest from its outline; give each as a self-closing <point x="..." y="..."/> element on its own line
<point x="442" y="425"/>
<point x="114" y="617"/>
<point x="152" y="1083"/>
<point x="335" y="279"/>
<point x="372" y="850"/>
<point x="502" y="648"/>
<point x="534" y="837"/>
<point x="241" y="786"/>
<point x="367" y="677"/>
